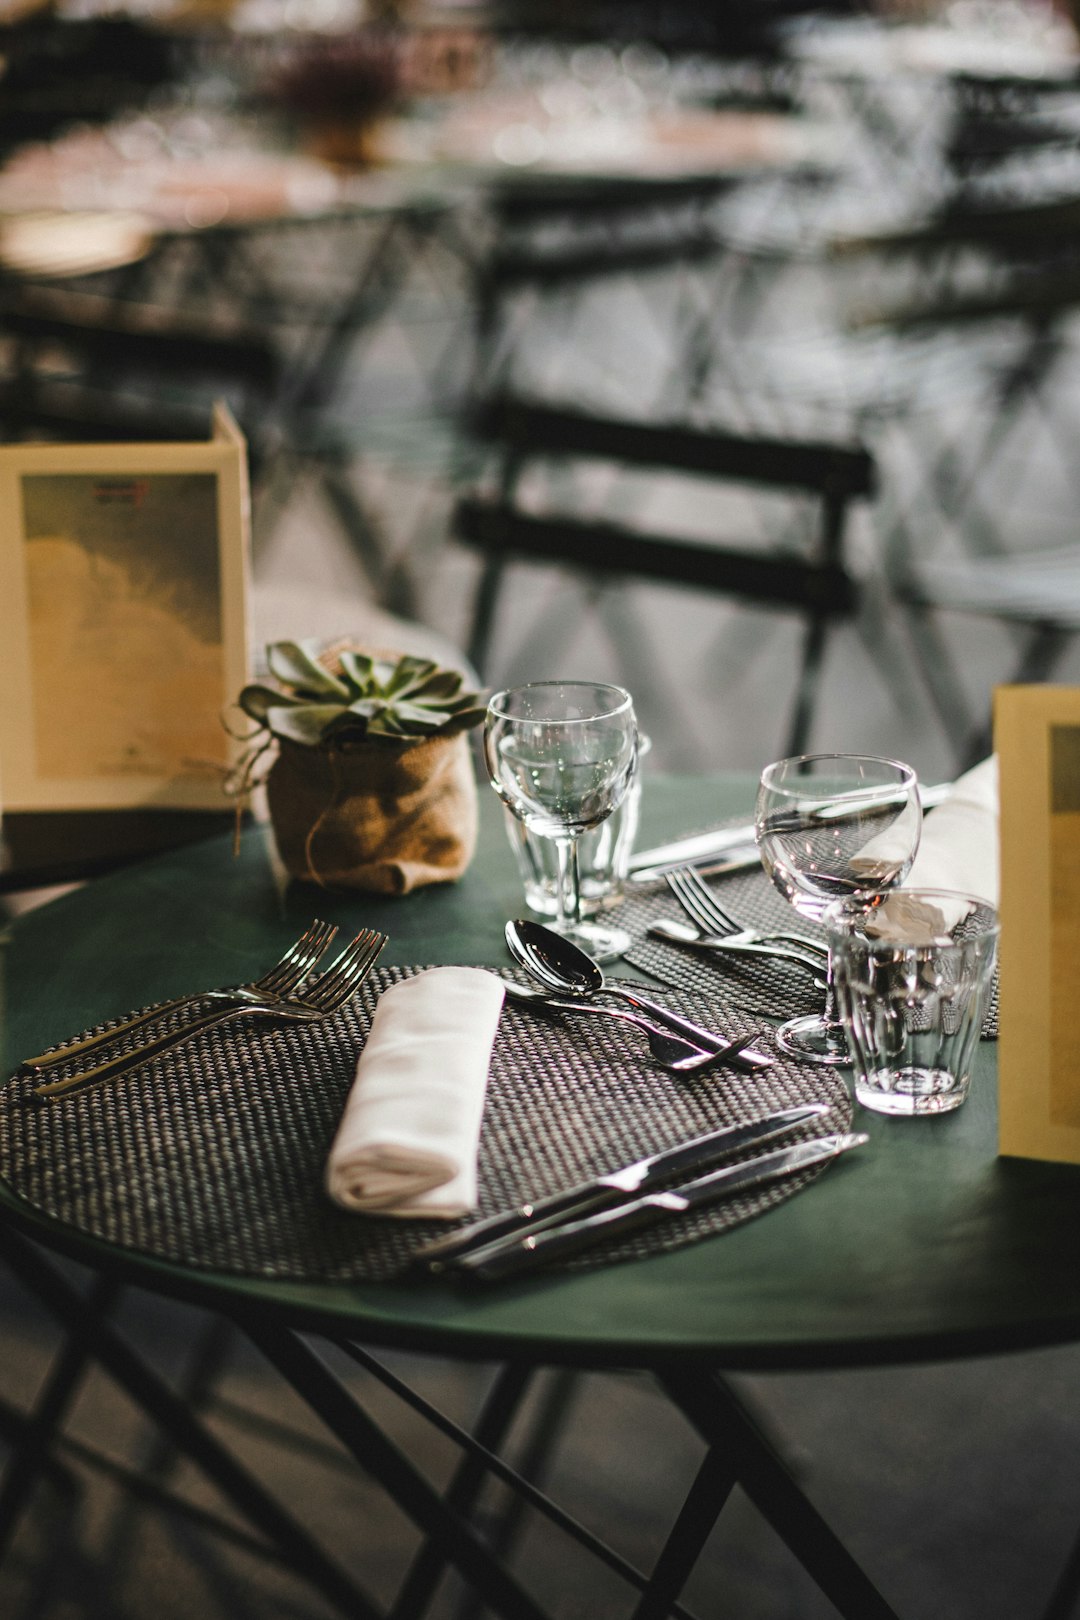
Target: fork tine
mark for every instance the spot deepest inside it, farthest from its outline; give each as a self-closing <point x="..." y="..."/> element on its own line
<point x="358" y="971"/>
<point x="709" y="903"/>
<point x="345" y="974"/>
<point x="675" y="883"/>
<point x="298" y="960"/>
<point x="691" y="901"/>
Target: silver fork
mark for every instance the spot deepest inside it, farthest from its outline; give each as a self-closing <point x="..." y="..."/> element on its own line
<point x="281" y="980"/>
<point x="326" y="996"/>
<point x="704" y="909"/>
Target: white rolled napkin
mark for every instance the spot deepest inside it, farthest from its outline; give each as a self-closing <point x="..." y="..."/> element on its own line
<point x="958" y="850"/>
<point x="408" y="1137"/>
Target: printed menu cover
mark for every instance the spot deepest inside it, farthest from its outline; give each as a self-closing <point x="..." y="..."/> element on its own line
<point x="1037" y="740"/>
<point x="123" y="621"/>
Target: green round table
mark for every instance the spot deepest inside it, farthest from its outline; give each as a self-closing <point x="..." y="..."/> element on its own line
<point x="924" y="1244"/>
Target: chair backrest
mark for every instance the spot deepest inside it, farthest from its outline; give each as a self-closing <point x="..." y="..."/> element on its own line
<point x="813" y="581"/>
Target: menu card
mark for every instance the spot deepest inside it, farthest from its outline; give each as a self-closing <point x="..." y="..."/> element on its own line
<point x="123" y="621"/>
<point x="1037" y="740"/>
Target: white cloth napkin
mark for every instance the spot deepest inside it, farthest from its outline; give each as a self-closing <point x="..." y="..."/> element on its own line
<point x="408" y="1137"/>
<point x="958" y="850"/>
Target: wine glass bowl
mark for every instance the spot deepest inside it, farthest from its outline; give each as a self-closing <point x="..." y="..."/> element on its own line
<point x="561" y="756"/>
<point x="835" y="828"/>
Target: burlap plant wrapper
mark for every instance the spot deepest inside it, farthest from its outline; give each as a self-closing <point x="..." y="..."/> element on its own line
<point x="378" y="815"/>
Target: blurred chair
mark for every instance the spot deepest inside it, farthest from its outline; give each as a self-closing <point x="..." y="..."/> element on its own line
<point x="948" y="346"/>
<point x="558" y="245"/>
<point x="1011" y="576"/>
<point x="77" y="365"/>
<point x="802" y="571"/>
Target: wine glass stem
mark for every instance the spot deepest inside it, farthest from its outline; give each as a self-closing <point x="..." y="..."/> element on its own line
<point x="830" y="1015"/>
<point x="568" y="886"/>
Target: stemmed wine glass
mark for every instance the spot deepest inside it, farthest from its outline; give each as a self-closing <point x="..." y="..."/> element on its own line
<point x="835" y="827"/>
<point x="561" y="756"/>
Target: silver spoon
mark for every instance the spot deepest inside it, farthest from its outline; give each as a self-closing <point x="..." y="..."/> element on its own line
<point x="670" y="1051"/>
<point x="560" y="965"/>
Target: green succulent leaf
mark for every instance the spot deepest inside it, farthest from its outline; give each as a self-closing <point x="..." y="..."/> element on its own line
<point x="295" y="663"/>
<point x="304" y="723"/>
<point x="366" y="708"/>
<point x="257" y="701"/>
<point x="465" y="719"/>
<point x="407" y="673"/>
<point x="359" y="669"/>
<point x="438" y="688"/>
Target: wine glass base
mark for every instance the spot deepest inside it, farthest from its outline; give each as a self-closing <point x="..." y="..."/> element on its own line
<point x="603" y="942"/>
<point x="813" y="1040"/>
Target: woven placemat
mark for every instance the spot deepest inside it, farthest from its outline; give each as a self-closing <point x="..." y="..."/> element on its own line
<point x="213" y="1155"/>
<point x="770" y="989"/>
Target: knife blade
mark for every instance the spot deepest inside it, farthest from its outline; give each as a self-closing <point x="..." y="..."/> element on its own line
<point x="508" y="1256"/>
<point x="588" y="1196"/>
<point x="739" y="858"/>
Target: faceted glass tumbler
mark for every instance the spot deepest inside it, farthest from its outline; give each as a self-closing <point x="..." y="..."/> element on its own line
<point x="913" y="982"/>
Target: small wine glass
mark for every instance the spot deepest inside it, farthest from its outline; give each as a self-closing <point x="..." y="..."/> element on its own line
<point x="561" y="756"/>
<point x="835" y="828"/>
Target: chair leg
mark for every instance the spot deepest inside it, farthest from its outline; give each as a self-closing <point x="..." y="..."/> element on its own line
<point x="939" y="675"/>
<point x="817" y="631"/>
<point x="478" y="645"/>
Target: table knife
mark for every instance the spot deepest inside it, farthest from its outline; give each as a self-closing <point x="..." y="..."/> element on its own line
<point x="508" y="1256"/>
<point x="729" y="847"/>
<point x="588" y="1196"/>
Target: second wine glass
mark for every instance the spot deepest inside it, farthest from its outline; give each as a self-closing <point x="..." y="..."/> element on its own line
<point x="561" y="755"/>
<point x="835" y="827"/>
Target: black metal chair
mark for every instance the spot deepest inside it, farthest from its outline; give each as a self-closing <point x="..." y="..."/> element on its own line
<point x="982" y="556"/>
<point x="808" y="576"/>
<point x="80" y="366"/>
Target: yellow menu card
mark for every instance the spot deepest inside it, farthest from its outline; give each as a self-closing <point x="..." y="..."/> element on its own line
<point x="123" y="621"/>
<point x="1037" y="741"/>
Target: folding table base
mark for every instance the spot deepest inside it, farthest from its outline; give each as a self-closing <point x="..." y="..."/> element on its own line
<point x="737" y="1453"/>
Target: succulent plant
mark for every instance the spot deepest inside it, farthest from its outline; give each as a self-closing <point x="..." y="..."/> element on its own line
<point x="401" y="701"/>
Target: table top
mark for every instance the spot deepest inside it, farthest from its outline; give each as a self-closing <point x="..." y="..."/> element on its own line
<point x="921" y="1245"/>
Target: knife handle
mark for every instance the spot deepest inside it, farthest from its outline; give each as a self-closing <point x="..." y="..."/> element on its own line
<point x="507" y="1259"/>
<point x="524" y="1218"/>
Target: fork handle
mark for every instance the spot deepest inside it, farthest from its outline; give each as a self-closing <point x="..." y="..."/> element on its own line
<point x="123" y="1061"/>
<point x="711" y="944"/>
<point x="89" y="1043"/>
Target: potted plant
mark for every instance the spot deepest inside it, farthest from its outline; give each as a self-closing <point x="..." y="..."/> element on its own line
<point x="370" y="782"/>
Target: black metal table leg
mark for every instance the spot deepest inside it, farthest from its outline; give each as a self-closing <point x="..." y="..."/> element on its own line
<point x="704" y="1503"/>
<point x="446" y="1531"/>
<point x="188" y="1434"/>
<point x="713" y="1408"/>
<point x="31" y="1455"/>
<point x="502" y="1405"/>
